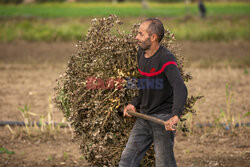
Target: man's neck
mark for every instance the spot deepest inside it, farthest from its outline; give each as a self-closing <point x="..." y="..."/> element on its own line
<point x="151" y="51"/>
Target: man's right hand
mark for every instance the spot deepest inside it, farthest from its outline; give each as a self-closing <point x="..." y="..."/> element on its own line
<point x="128" y="107"/>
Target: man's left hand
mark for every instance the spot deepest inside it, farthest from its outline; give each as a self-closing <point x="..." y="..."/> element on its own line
<point x="169" y="123"/>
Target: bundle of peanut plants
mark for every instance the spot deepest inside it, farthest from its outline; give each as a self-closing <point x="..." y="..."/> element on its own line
<point x="93" y="90"/>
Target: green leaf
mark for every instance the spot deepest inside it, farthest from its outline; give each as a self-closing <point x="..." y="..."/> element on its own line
<point x="247" y="114"/>
<point x="4" y="150"/>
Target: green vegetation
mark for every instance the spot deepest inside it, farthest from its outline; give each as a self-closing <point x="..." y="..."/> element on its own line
<point x="41" y="31"/>
<point x="5" y="150"/>
<point x="193" y="28"/>
<point x="44" y="129"/>
<point x="124" y="9"/>
<point x="70" y="21"/>
<point x="227" y="116"/>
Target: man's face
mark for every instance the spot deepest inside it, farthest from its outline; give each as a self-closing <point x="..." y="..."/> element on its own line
<point x="143" y="37"/>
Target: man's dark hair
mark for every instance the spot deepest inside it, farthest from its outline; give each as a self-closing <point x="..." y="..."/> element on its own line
<point x="155" y="27"/>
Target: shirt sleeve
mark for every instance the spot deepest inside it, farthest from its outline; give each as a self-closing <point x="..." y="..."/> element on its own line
<point x="179" y="88"/>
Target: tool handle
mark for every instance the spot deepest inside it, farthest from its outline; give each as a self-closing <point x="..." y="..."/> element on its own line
<point x="147" y="117"/>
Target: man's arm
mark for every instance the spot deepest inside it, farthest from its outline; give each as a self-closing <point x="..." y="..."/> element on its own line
<point x="179" y="89"/>
<point x="179" y="94"/>
<point x="133" y="104"/>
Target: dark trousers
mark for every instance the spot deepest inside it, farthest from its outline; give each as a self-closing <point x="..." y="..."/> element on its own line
<point x="143" y="134"/>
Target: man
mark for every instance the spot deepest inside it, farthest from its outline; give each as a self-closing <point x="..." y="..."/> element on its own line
<point x="202" y="9"/>
<point x="164" y="100"/>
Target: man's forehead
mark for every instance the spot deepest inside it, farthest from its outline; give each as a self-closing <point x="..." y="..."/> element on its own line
<point x="143" y="27"/>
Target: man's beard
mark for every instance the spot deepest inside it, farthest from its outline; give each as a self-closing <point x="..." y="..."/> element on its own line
<point x="146" y="44"/>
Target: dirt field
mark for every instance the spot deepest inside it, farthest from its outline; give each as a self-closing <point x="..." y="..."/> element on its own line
<point x="29" y="70"/>
<point x="205" y="149"/>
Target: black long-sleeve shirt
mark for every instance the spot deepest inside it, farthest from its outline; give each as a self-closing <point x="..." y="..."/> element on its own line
<point x="161" y="87"/>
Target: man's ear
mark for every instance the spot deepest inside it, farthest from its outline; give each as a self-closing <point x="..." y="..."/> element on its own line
<point x="154" y="37"/>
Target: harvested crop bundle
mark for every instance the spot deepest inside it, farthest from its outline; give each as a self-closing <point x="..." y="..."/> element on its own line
<point x="94" y="90"/>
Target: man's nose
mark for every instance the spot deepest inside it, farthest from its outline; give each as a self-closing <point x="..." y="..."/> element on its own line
<point x="137" y="37"/>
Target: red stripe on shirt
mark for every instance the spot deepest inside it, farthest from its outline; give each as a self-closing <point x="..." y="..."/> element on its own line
<point x="157" y="72"/>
